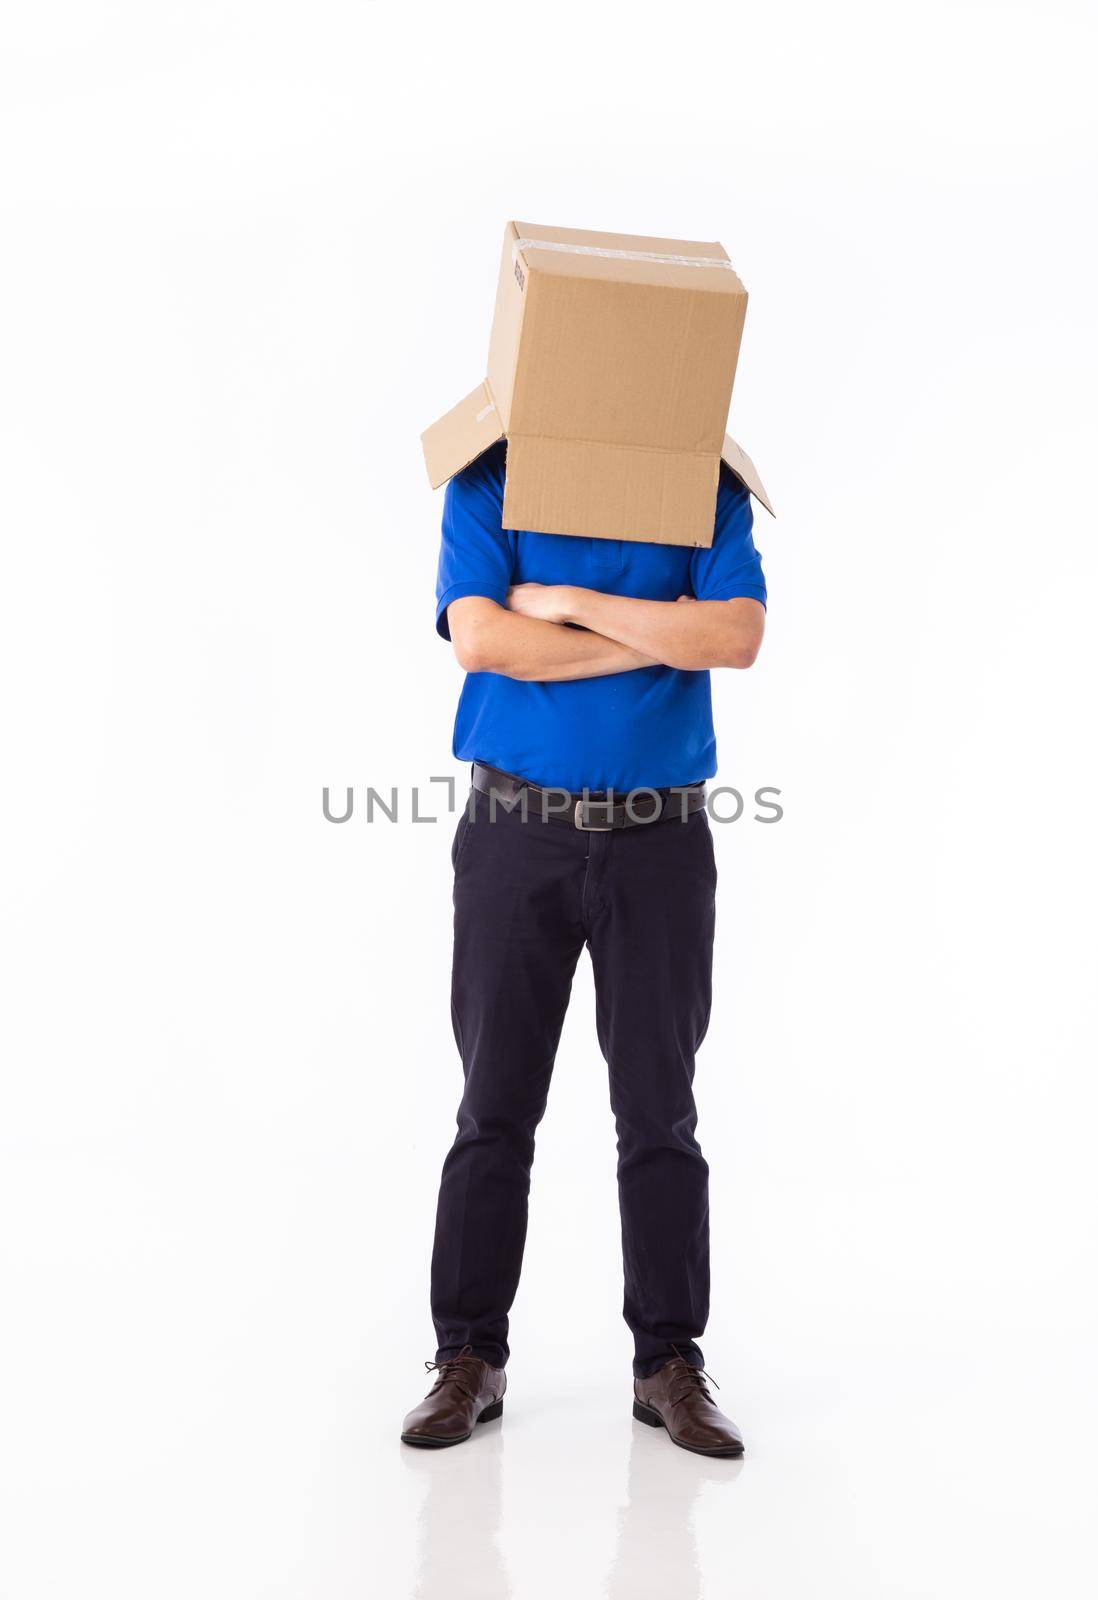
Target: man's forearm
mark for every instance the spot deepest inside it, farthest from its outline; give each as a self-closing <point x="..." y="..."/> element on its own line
<point x="689" y="634"/>
<point x="547" y="652"/>
<point x="488" y="638"/>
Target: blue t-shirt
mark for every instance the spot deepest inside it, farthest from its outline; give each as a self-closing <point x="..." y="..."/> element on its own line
<point x="652" y="727"/>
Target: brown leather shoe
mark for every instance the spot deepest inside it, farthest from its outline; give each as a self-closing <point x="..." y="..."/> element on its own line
<point x="466" y="1391"/>
<point x="676" y="1398"/>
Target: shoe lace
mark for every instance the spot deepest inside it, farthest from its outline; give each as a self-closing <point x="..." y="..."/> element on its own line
<point x="690" y="1380"/>
<point x="455" y="1370"/>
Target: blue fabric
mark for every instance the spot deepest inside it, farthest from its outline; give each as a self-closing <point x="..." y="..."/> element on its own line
<point x="648" y="728"/>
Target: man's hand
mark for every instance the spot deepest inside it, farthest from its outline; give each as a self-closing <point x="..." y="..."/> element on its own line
<point x="544" y="602"/>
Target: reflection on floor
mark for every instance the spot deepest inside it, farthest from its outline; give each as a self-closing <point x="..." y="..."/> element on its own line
<point x="459" y="1534"/>
<point x="657" y="1550"/>
<point x="459" y="1522"/>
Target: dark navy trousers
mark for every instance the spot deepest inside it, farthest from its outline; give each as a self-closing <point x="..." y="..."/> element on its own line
<point x="529" y="894"/>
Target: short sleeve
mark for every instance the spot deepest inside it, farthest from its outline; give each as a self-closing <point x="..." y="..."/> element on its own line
<point x="477" y="555"/>
<point x="731" y="566"/>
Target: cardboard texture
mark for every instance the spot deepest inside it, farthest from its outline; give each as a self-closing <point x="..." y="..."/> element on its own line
<point x="610" y="372"/>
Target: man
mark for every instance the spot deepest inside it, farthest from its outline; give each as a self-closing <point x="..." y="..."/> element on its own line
<point x="588" y="671"/>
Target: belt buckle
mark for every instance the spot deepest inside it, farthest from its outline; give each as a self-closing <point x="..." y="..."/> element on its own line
<point x="590" y="827"/>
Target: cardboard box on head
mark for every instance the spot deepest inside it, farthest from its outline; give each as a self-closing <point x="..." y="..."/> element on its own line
<point x="610" y="373"/>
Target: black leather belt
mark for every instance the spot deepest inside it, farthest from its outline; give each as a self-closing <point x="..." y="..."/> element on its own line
<point x="592" y="813"/>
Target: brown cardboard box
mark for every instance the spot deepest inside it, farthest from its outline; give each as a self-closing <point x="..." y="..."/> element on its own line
<point x="609" y="373"/>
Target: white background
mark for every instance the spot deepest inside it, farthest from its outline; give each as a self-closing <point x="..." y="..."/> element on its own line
<point x="250" y="252"/>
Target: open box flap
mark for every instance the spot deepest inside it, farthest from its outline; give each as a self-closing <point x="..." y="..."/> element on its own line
<point x="739" y="462"/>
<point x="461" y="435"/>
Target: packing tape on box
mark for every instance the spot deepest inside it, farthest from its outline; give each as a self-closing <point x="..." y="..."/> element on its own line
<point x="618" y="255"/>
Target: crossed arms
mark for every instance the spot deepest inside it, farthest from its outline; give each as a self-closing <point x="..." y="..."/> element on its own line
<point x="530" y="638"/>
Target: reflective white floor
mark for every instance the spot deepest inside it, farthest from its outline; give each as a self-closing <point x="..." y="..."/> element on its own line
<point x="855" y="1485"/>
<point x="215" y="1412"/>
<point x="600" y="1530"/>
<point x="842" y="1492"/>
<point x="232" y="1436"/>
